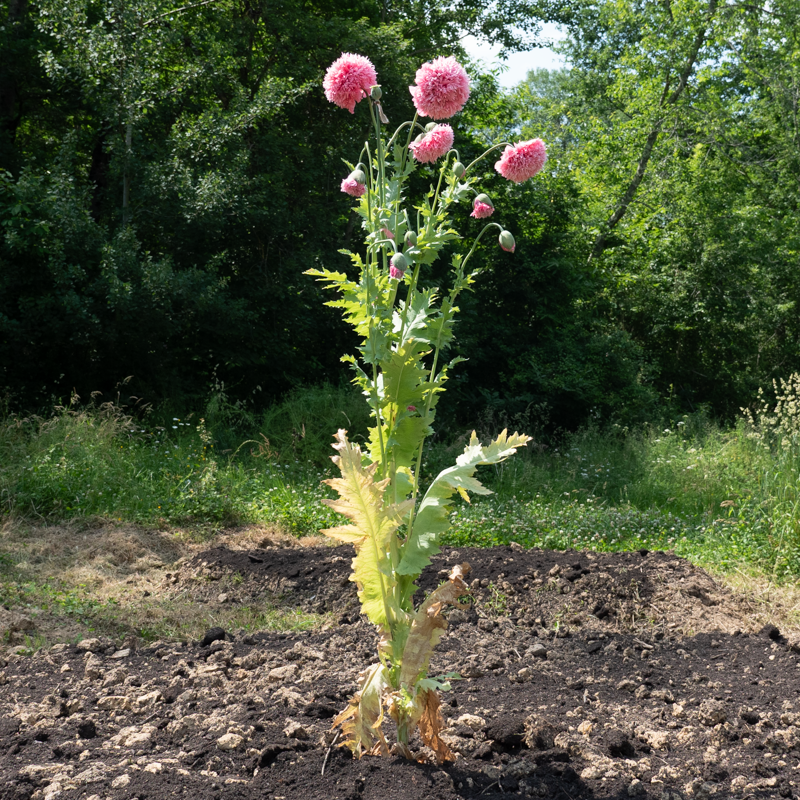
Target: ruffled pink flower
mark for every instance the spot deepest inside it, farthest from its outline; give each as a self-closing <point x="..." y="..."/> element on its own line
<point x="442" y="88"/>
<point x="522" y="161"/>
<point x="433" y="145"/>
<point x="395" y="273"/>
<point x="481" y="210"/>
<point x="353" y="187"/>
<point x="348" y="80"/>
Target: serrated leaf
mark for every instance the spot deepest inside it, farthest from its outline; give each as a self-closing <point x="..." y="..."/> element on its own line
<point x="432" y="518"/>
<point x="361" y="720"/>
<point x="361" y="499"/>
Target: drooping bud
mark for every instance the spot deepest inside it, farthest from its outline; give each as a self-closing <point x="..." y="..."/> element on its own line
<point x="358" y="175"/>
<point x="376" y="93"/>
<point x="482" y="207"/>
<point x="430" y="126"/>
<point x="353" y="187"/>
<point x="507" y="242"/>
<point x="398" y="266"/>
<point x="411" y="238"/>
<point x="459" y="169"/>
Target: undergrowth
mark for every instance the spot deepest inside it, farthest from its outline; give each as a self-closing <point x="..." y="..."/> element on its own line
<point x="720" y="496"/>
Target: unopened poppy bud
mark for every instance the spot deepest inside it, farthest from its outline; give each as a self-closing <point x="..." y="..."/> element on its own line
<point x="411" y="238"/>
<point x="459" y="169"/>
<point x="358" y="175"/>
<point x="507" y="242"/>
<point x="430" y="126"/>
<point x="399" y="262"/>
<point x="376" y="93"/>
<point x="482" y="207"/>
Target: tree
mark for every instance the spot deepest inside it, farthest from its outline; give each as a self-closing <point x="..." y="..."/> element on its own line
<point x="682" y="125"/>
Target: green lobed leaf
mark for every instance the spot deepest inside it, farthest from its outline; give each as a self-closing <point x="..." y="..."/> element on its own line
<point x="432" y="518"/>
<point x="361" y="499"/>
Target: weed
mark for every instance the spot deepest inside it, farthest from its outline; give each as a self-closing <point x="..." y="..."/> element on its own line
<point x="497" y="604"/>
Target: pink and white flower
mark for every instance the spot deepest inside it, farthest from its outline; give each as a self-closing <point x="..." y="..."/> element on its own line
<point x="442" y="88"/>
<point x="348" y="80"/>
<point x="353" y="187"/>
<point x="433" y="145"/>
<point x="522" y="160"/>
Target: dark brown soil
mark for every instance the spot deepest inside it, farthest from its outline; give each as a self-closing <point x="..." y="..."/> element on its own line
<point x="584" y="676"/>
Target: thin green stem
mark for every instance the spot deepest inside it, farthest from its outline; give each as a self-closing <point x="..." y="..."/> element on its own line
<point x="442" y="170"/>
<point x="457" y="288"/>
<point x="412" y="123"/>
<point x="477" y="239"/>
<point x="369" y="267"/>
<point x="480" y="158"/>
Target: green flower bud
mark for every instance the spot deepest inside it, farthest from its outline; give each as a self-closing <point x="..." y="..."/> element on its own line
<point x="430" y="126"/>
<point x="507" y="242"/>
<point x="358" y="175"/>
<point x="411" y="238"/>
<point x="484" y="198"/>
<point x="376" y="93"/>
<point x="459" y="169"/>
<point x="398" y="266"/>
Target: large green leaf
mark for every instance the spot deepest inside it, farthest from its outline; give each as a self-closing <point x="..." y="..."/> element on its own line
<point x="361" y="499"/>
<point x="432" y="518"/>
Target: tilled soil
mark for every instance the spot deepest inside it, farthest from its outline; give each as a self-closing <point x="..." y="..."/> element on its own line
<point x="583" y="676"/>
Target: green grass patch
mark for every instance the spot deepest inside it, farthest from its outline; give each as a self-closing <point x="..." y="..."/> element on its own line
<point x="719" y="496"/>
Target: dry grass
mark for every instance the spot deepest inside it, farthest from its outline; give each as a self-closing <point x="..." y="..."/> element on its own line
<point x="764" y="601"/>
<point x="116" y="571"/>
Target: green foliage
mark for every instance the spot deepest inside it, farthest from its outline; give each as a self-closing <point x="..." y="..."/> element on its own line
<point x="676" y="125"/>
<point x="86" y="462"/>
<point x="171" y="174"/>
<point x="722" y="496"/>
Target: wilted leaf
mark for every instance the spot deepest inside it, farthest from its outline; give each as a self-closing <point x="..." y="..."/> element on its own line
<point x="361" y="720"/>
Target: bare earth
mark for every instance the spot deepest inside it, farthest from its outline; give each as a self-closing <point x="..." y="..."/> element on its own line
<point x="584" y="676"/>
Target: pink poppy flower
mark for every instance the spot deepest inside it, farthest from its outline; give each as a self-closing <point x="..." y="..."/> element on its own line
<point x="482" y="207"/>
<point x="522" y="161"/>
<point x="353" y="187"/>
<point x="386" y="233"/>
<point x="433" y="145"/>
<point x="348" y="80"/>
<point x="442" y="88"/>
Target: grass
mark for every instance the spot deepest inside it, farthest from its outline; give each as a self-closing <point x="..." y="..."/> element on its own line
<point x="100" y="462"/>
<point x="107" y="578"/>
<point x="724" y="497"/>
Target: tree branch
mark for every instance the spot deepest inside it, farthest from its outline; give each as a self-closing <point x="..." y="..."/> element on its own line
<point x="178" y="11"/>
<point x="652" y="137"/>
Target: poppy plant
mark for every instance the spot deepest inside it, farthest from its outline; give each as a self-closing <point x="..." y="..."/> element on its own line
<point x="393" y="519"/>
